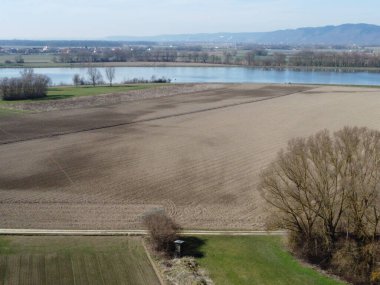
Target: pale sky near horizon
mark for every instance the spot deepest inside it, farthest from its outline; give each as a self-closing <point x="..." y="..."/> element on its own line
<point x="92" y="19"/>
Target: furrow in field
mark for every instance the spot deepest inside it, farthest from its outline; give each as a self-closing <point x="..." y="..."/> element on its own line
<point x="202" y="168"/>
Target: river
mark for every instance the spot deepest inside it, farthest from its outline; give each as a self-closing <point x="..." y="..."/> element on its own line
<point x="212" y="74"/>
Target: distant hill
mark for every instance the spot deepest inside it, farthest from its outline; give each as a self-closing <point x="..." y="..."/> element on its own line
<point x="347" y="34"/>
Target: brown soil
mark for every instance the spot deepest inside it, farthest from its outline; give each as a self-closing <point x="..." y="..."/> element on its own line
<point x="196" y="155"/>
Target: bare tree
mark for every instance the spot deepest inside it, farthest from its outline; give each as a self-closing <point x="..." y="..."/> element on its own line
<point x="325" y="189"/>
<point x="250" y="57"/>
<point x="110" y="73"/>
<point x="94" y="75"/>
<point x="227" y="57"/>
<point x="162" y="229"/>
<point x="204" y="57"/>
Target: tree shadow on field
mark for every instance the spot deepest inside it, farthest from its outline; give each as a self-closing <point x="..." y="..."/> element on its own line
<point x="193" y="246"/>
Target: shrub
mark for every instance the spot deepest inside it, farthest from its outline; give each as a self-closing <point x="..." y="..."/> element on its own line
<point x="163" y="231"/>
<point x="153" y="79"/>
<point x="28" y="86"/>
<point x="375" y="277"/>
<point x="355" y="261"/>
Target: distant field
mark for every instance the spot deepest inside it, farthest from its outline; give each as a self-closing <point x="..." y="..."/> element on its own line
<point x="197" y="155"/>
<point x="74" y="260"/>
<point x="42" y="59"/>
<point x="255" y="261"/>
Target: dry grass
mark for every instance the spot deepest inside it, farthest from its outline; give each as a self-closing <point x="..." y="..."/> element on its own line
<point x="189" y="154"/>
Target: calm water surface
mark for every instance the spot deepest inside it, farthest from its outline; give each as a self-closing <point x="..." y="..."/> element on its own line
<point x="212" y="74"/>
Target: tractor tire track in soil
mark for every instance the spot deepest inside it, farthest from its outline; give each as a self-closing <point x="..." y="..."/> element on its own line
<point x="150" y="119"/>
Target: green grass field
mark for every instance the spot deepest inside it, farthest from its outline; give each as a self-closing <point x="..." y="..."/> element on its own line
<point x="74" y="261"/>
<point x="30" y="60"/>
<point x="254" y="260"/>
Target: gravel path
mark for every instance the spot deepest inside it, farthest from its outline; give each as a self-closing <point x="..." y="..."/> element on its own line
<point x="132" y="232"/>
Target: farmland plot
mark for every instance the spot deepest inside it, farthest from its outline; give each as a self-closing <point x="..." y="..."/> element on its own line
<point x="74" y="260"/>
<point x="197" y="155"/>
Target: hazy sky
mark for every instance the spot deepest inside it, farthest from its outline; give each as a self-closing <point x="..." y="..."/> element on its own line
<point x="31" y="19"/>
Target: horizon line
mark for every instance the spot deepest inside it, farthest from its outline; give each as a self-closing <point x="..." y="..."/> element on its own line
<point x="140" y="38"/>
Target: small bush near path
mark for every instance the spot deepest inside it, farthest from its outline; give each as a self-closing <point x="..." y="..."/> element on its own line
<point x="163" y="231"/>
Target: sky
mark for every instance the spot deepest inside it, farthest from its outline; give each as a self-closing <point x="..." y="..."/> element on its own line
<point x="96" y="19"/>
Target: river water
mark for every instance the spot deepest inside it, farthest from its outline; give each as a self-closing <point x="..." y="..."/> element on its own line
<point x="212" y="74"/>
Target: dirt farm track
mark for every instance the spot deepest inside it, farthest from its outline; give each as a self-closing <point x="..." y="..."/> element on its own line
<point x="196" y="154"/>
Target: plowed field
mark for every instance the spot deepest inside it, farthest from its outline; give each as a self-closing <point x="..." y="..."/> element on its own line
<point x="196" y="155"/>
